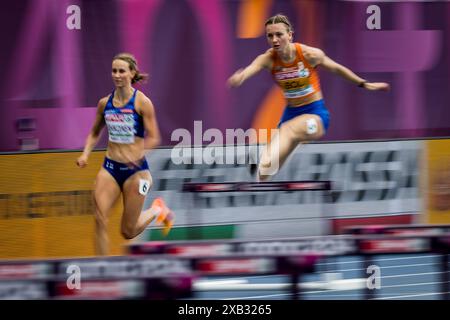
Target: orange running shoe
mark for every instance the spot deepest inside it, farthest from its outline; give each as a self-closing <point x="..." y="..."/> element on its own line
<point x="165" y="216"/>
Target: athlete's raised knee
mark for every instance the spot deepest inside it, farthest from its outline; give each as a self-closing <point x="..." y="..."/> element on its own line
<point x="128" y="233"/>
<point x="312" y="129"/>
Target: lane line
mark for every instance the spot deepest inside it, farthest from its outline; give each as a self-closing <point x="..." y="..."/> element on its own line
<point x="413" y="284"/>
<point x="412" y="295"/>
<point x="389" y="267"/>
<point x="257" y="297"/>
<point x="382" y="259"/>
<point x="412" y="274"/>
<point x="341" y="284"/>
<point x="358" y="269"/>
<point x="346" y="289"/>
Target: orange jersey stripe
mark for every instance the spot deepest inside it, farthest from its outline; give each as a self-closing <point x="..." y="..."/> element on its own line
<point x="298" y="80"/>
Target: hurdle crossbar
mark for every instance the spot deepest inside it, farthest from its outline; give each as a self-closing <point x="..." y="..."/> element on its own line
<point x="307" y="185"/>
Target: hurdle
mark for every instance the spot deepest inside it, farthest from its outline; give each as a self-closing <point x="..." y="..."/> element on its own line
<point x="197" y="189"/>
<point x="323" y="186"/>
<point x="154" y="277"/>
<point x="171" y="274"/>
<point x="440" y="245"/>
<point x="366" y="246"/>
<point x="115" y="277"/>
<point x="399" y="229"/>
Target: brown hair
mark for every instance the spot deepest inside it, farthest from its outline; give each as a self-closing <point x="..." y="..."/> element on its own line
<point x="132" y="63"/>
<point x="280" y="18"/>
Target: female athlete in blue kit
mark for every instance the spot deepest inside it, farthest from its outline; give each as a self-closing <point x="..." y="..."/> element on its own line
<point x="127" y="113"/>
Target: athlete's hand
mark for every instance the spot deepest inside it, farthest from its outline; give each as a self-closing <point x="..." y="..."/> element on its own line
<point x="236" y="79"/>
<point x="377" y="86"/>
<point x="82" y="161"/>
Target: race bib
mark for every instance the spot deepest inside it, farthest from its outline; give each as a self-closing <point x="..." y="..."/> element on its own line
<point x="144" y="186"/>
<point x="120" y="127"/>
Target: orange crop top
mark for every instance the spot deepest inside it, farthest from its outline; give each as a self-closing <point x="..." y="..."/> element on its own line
<point x="298" y="80"/>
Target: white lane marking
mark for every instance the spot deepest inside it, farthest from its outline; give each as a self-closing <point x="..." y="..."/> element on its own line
<point x="361" y="269"/>
<point x="412" y="284"/>
<point x="383" y="259"/>
<point x="257" y="297"/>
<point x="412" y="274"/>
<point x="339" y="284"/>
<point x="328" y="295"/>
<point x="412" y="295"/>
<point x="221" y="281"/>
<point x="402" y="285"/>
<point x="389" y="267"/>
<point x="346" y="288"/>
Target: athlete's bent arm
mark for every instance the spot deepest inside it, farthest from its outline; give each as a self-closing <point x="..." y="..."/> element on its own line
<point x="153" y="138"/>
<point x="260" y="62"/>
<point x="317" y="57"/>
<point x="94" y="135"/>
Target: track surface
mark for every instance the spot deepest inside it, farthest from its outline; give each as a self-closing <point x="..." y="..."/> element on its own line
<point x="404" y="277"/>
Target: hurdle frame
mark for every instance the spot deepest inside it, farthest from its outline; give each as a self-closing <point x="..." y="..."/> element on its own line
<point x="197" y="188"/>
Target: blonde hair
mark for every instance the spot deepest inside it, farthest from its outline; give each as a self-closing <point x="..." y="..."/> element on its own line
<point x="132" y="63"/>
<point x="280" y="18"/>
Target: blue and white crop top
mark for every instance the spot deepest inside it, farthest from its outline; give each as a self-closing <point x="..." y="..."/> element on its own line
<point x="123" y="123"/>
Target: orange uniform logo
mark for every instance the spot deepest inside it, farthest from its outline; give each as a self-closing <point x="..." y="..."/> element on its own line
<point x="298" y="80"/>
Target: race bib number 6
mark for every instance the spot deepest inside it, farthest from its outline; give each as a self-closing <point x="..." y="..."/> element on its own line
<point x="144" y="186"/>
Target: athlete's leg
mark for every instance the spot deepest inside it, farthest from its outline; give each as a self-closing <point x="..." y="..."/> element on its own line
<point x="135" y="189"/>
<point x="106" y="193"/>
<point x="274" y="152"/>
<point x="301" y="129"/>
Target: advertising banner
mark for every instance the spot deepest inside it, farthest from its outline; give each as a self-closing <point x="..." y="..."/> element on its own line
<point x="369" y="179"/>
<point x="46" y="207"/>
<point x="437" y="181"/>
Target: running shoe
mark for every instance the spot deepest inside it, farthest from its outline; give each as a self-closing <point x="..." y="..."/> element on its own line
<point x="165" y="216"/>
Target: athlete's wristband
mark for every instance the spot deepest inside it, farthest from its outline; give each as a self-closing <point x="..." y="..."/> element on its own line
<point x="362" y="83"/>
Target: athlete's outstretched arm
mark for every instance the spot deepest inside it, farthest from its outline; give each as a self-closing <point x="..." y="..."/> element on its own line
<point x="260" y="62"/>
<point x="94" y="135"/>
<point x="153" y="138"/>
<point x="317" y="57"/>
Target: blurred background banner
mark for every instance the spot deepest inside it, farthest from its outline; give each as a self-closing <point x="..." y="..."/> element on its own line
<point x="437" y="181"/>
<point x="46" y="207"/>
<point x="56" y="62"/>
<point x="372" y="183"/>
